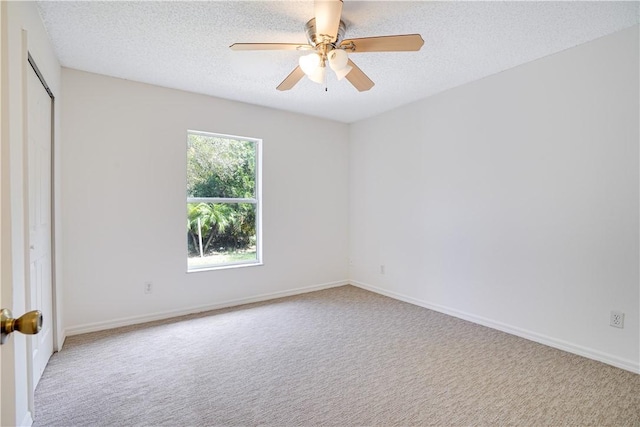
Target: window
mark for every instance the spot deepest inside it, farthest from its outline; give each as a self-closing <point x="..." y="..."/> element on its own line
<point x="223" y="201"/>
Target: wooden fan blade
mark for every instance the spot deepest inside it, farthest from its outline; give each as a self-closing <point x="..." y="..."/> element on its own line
<point x="328" y="14"/>
<point x="292" y="79"/>
<point x="402" y="43"/>
<point x="359" y="79"/>
<point x="269" y="46"/>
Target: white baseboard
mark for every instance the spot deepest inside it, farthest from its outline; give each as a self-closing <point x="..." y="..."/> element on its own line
<point x="134" y="320"/>
<point x="589" y="353"/>
<point x="27" y="421"/>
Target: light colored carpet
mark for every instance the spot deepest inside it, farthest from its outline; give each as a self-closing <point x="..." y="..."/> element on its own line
<point x="341" y="356"/>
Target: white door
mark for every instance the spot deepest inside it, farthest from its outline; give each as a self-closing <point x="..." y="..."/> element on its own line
<point x="40" y="238"/>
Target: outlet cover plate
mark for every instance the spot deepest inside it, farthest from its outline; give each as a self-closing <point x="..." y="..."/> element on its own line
<point x="617" y="319"/>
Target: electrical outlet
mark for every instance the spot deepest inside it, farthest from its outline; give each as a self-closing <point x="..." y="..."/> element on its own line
<point x="381" y="268"/>
<point x="148" y="287"/>
<point x="617" y="319"/>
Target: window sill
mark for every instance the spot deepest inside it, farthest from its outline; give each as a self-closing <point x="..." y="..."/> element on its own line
<point x="224" y="267"/>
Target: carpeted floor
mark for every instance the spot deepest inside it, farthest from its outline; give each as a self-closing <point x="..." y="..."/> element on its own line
<point x="341" y="356"/>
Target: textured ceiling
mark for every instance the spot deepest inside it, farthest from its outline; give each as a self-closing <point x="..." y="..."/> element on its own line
<point x="185" y="45"/>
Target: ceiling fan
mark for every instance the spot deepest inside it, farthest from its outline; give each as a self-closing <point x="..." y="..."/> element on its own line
<point x="325" y="34"/>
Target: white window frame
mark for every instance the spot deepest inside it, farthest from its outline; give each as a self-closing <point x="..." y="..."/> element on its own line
<point x="255" y="200"/>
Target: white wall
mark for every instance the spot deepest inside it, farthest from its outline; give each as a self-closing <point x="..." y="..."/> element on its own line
<point x="512" y="201"/>
<point x="124" y="195"/>
<point x="22" y="32"/>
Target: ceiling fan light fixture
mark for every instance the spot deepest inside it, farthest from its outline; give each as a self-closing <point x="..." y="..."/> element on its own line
<point x="310" y="63"/>
<point x="318" y="75"/>
<point x="339" y="63"/>
<point x="342" y="73"/>
<point x="338" y="59"/>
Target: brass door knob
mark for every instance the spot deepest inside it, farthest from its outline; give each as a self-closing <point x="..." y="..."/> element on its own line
<point x="29" y="323"/>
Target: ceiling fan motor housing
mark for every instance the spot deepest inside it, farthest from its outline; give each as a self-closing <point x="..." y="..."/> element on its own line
<point x="310" y="29"/>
